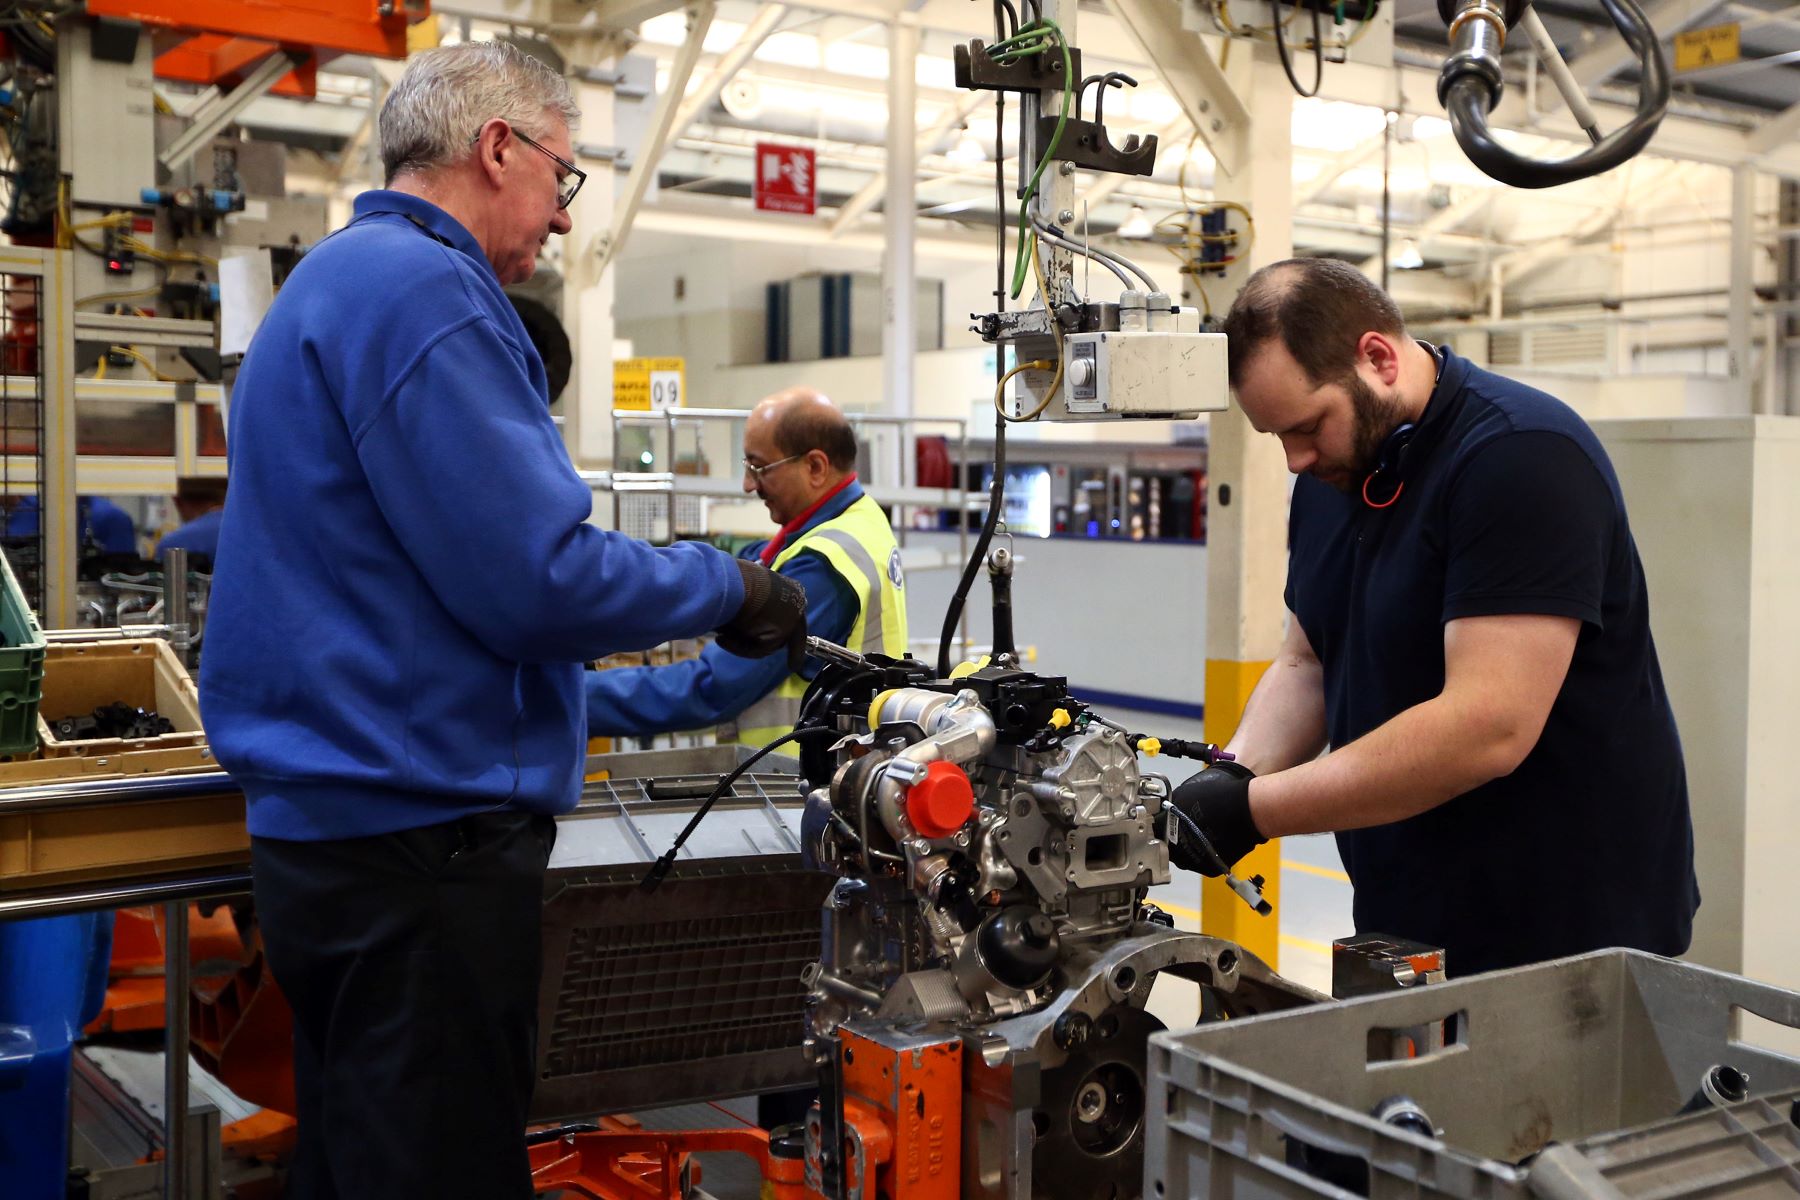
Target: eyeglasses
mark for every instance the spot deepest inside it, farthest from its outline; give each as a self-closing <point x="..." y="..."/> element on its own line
<point x="569" y="184"/>
<point x="755" y="472"/>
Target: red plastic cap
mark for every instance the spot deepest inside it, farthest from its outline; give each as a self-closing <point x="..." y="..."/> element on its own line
<point x="942" y="802"/>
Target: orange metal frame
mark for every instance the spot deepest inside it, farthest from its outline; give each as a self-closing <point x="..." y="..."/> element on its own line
<point x="218" y="41"/>
<point x="908" y="1107"/>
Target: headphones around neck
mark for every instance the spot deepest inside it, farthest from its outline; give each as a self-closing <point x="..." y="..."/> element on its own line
<point x="1390" y="461"/>
<point x="1390" y="468"/>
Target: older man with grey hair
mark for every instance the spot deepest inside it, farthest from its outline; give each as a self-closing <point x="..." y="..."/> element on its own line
<point x="406" y="589"/>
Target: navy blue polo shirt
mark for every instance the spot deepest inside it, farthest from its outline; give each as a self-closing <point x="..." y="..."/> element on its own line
<point x="1510" y="505"/>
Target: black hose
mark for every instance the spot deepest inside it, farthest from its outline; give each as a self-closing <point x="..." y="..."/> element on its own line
<point x="1287" y="63"/>
<point x="1008" y="25"/>
<point x="661" y="867"/>
<point x="1468" y="99"/>
<point x="997" y="493"/>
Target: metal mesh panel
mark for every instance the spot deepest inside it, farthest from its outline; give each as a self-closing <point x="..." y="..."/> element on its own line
<point x="22" y="431"/>
<point x="645" y="515"/>
<point x="676" y="991"/>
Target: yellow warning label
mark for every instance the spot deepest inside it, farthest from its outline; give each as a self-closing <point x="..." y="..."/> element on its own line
<point x="649" y="384"/>
<point x="1710" y="47"/>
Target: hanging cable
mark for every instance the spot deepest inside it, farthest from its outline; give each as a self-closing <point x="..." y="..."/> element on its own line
<point x="1073" y="248"/>
<point x="1118" y="264"/>
<point x="1039" y="37"/>
<point x="997" y="491"/>
<point x="1287" y="63"/>
<point x="1041" y="364"/>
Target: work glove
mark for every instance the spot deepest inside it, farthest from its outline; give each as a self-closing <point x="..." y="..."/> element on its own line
<point x="773" y="617"/>
<point x="1217" y="803"/>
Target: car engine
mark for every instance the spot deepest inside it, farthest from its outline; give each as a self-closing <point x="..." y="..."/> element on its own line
<point x="988" y="944"/>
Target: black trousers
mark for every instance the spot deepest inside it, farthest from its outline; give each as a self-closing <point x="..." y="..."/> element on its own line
<point x="411" y="961"/>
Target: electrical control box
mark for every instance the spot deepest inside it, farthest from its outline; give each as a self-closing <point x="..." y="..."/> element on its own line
<point x="1147" y="375"/>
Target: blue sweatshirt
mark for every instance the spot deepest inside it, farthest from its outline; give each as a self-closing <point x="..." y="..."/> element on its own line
<point x="406" y="583"/>
<point x="717" y="686"/>
<point x="99" y="522"/>
<point x="198" y="536"/>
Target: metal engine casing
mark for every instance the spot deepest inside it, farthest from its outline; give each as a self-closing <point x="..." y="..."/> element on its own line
<point x="1024" y="931"/>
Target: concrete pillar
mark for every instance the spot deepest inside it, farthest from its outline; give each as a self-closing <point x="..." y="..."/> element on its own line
<point x="1247" y="499"/>
<point x="587" y="306"/>
<point x="899" y="292"/>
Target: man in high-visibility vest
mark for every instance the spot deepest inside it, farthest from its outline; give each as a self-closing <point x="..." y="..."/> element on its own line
<point x="800" y="459"/>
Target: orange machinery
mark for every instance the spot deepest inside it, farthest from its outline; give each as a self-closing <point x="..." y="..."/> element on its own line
<point x="242" y="1029"/>
<point x="219" y="41"/>
<point x="902" y="1136"/>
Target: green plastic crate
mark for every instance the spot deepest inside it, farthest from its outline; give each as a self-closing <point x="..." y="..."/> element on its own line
<point x="21" y="666"/>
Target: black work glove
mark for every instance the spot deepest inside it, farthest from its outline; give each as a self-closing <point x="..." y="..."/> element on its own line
<point x="1217" y="801"/>
<point x="773" y="617"/>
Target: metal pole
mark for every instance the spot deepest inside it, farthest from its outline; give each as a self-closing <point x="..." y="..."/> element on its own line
<point x="175" y="602"/>
<point x="899" y="333"/>
<point x="1387" y="153"/>
<point x="1743" y="195"/>
<point x="175" y="1065"/>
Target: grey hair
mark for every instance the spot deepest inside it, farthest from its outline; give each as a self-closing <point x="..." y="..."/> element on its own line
<point x="446" y="94"/>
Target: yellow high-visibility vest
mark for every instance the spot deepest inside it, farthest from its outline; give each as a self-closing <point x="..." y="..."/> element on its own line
<point x="859" y="545"/>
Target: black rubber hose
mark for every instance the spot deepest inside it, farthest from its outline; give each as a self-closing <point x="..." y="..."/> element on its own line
<point x="1006" y="20"/>
<point x="660" y="868"/>
<point x="1468" y="100"/>
<point x="996" y="502"/>
<point x="1287" y="62"/>
<point x="997" y="494"/>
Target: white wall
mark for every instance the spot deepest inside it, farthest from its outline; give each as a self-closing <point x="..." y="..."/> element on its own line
<point x="1120" y="616"/>
<point x="1599" y="398"/>
<point x="1672" y="235"/>
<point x="1712" y="506"/>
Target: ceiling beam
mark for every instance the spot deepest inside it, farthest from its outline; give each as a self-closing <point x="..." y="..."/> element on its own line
<point x="865" y="197"/>
<point x="1775" y="132"/>
<point x="1441" y="222"/>
<point x="614" y="14"/>
<point x="1185" y="64"/>
<point x="1335" y="167"/>
<point x="1521" y="264"/>
<point x="649" y="158"/>
<point x="1667" y="18"/>
<point x="755" y="34"/>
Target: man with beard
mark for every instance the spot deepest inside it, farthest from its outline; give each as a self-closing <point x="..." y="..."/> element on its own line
<point x="1468" y="631"/>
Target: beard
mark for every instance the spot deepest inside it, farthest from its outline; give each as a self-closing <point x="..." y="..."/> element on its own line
<point x="1373" y="417"/>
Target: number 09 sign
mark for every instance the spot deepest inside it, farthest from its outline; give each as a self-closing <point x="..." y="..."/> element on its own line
<point x="649" y="384"/>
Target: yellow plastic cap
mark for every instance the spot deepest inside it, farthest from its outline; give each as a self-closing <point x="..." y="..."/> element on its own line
<point x="1060" y="719"/>
<point x="968" y="668"/>
<point x="1151" y="746"/>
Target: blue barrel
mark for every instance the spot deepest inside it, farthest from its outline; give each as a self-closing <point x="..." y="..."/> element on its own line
<point x="52" y="983"/>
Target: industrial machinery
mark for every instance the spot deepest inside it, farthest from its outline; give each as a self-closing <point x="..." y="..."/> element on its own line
<point x="978" y="1011"/>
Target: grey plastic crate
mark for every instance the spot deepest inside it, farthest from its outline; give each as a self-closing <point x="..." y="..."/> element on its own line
<point x="1747" y="1151"/>
<point x="1571" y="1051"/>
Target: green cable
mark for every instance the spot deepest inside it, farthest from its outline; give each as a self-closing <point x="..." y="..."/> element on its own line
<point x="1036" y="31"/>
<point x="1027" y="238"/>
